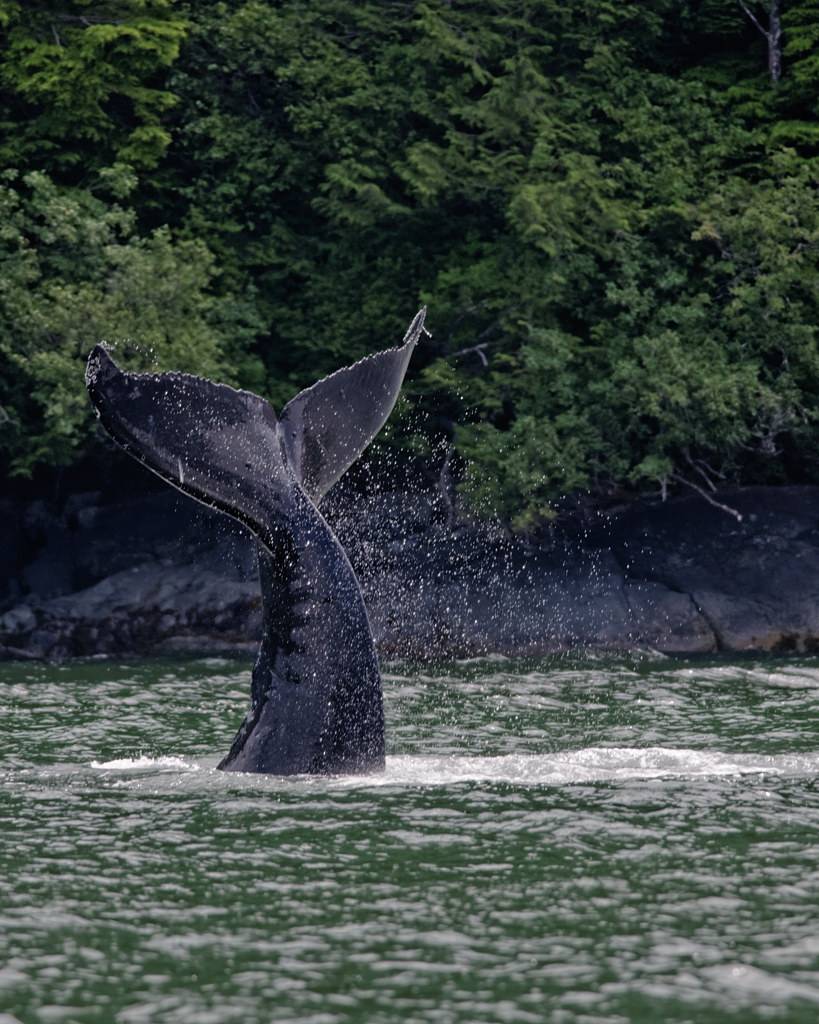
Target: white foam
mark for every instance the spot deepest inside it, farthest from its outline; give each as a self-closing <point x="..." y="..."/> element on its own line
<point x="571" y="767"/>
<point x="145" y="763"/>
<point x="591" y="764"/>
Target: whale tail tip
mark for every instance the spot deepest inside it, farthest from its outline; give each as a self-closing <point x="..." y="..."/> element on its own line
<point x="100" y="366"/>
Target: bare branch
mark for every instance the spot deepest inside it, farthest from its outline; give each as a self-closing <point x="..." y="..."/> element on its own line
<point x="473" y="348"/>
<point x="704" y="494"/>
<point x="754" y="19"/>
<point x="709" y="469"/>
<point x="699" y="469"/>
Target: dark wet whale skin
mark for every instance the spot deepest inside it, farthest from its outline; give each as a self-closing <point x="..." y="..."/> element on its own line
<point x="316" y="701"/>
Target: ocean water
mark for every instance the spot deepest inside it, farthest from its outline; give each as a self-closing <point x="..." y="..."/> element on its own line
<point x="570" y="841"/>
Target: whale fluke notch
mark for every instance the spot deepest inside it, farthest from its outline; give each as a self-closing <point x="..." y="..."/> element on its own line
<point x="327" y="426"/>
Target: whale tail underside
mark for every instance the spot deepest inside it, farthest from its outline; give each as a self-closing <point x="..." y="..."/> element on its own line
<point x="209" y="439"/>
<point x="316" y="694"/>
<point x="215" y="443"/>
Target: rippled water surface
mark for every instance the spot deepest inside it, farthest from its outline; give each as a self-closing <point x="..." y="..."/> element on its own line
<point x="571" y="842"/>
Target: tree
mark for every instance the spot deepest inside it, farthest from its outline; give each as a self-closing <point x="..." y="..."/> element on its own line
<point x="606" y="207"/>
<point x="82" y="83"/>
<point x="75" y="272"/>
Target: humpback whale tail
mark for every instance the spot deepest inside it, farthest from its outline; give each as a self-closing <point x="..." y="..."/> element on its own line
<point x="316" y="695"/>
<point x="204" y="438"/>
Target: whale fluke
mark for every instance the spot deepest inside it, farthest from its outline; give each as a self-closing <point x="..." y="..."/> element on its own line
<point x="327" y="426"/>
<point x="316" y="702"/>
<point x="215" y="443"/>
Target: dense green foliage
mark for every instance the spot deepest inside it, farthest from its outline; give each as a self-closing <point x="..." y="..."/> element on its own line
<point x="609" y="207"/>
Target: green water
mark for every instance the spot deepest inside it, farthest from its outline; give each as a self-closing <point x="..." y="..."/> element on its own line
<point x="571" y="842"/>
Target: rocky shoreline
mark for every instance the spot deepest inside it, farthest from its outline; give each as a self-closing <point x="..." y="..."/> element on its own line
<point x="160" y="574"/>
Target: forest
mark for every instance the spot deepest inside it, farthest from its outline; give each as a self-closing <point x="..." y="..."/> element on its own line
<point x="609" y="207"/>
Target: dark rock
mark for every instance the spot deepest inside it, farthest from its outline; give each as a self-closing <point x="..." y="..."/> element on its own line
<point x="20" y="620"/>
<point x="12" y="551"/>
<point x="162" y="574"/>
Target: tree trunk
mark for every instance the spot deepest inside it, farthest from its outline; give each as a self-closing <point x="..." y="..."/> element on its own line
<point x="773" y="35"/>
<point x="775" y="41"/>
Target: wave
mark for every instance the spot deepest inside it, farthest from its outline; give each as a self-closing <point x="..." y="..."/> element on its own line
<point x="145" y="763"/>
<point x="589" y="765"/>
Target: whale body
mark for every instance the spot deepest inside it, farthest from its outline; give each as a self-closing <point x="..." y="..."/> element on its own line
<point x="316" y="700"/>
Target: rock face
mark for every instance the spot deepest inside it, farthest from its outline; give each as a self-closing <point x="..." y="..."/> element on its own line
<point x="162" y="574"/>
